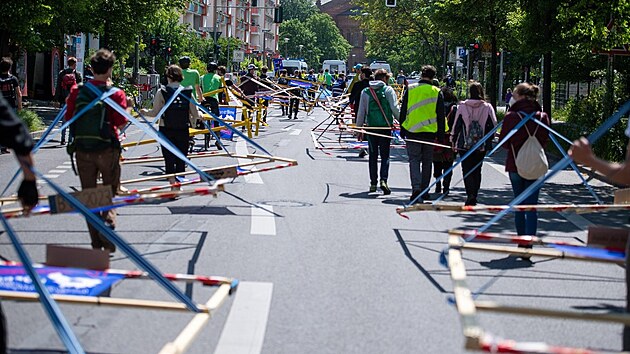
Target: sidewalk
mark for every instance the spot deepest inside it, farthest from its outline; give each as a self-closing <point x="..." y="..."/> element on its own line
<point x="46" y="111"/>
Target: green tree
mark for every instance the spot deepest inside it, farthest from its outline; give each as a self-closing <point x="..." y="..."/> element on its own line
<point x="298" y="33"/>
<point x="18" y="29"/>
<point x="297" y="9"/>
<point x="328" y="38"/>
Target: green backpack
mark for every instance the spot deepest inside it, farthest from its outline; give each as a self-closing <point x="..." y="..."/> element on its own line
<point x="92" y="131"/>
<point x="376" y="109"/>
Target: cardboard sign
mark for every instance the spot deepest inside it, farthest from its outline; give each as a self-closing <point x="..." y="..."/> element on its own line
<point x="60" y="256"/>
<point x="608" y="237"/>
<point x="622" y="196"/>
<point x="91" y="197"/>
<point x="227" y="172"/>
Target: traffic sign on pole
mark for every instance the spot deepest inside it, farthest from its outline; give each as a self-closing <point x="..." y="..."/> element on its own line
<point x="238" y="55"/>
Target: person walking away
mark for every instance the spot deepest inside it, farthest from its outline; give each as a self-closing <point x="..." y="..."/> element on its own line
<point x="328" y="79"/>
<point x="619" y="173"/>
<point x="264" y="78"/>
<point x="211" y="82"/>
<point x="191" y="78"/>
<point x="284" y="81"/>
<point x="295" y="94"/>
<point x="443" y="157"/>
<point x="339" y="86"/>
<point x="66" y="79"/>
<point x="355" y="97"/>
<point x="175" y="121"/>
<point x="401" y="79"/>
<point x="95" y="137"/>
<point x="508" y="99"/>
<point x="525" y="96"/>
<point x="474" y="119"/>
<point x="15" y="135"/>
<point x="422" y="119"/>
<point x="10" y="88"/>
<point x="378" y="109"/>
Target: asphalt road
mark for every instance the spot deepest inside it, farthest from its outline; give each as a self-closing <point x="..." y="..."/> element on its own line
<point x="326" y="266"/>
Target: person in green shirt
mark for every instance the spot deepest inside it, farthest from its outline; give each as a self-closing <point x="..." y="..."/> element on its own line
<point x="328" y="79"/>
<point x="191" y="77"/>
<point x="211" y="82"/>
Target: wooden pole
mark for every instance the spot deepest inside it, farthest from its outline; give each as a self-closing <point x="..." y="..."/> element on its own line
<point x="188" y="335"/>
<point x="104" y="301"/>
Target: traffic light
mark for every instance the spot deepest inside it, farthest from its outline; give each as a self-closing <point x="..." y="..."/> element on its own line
<point x="390" y="3"/>
<point x="474" y="51"/>
<point x="277" y="14"/>
<point x="507" y="56"/>
<point x="153" y="47"/>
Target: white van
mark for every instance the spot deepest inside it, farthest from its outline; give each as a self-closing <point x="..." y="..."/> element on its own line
<point x="292" y="65"/>
<point x="334" y="65"/>
<point x="380" y="65"/>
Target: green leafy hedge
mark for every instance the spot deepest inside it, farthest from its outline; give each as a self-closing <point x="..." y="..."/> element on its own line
<point x="32" y="120"/>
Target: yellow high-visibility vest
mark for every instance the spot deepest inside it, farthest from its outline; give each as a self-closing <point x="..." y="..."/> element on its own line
<point x="421" y="108"/>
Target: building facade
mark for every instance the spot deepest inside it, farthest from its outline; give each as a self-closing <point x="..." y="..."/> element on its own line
<point x="237" y="19"/>
<point x="342" y="12"/>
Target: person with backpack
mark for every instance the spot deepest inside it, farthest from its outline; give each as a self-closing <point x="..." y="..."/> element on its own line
<point x="66" y="80"/>
<point x="422" y="119"/>
<point x="355" y="96"/>
<point x="474" y="119"/>
<point x="521" y="148"/>
<point x="10" y="88"/>
<point x="94" y="137"/>
<point x="378" y="109"/>
<point x="175" y="121"/>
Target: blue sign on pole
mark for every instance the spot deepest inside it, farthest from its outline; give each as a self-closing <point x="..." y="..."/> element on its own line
<point x="462" y="52"/>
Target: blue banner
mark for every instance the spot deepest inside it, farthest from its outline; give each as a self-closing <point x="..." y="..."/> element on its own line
<point x="58" y="281"/>
<point x="301" y="84"/>
<point x="227" y="112"/>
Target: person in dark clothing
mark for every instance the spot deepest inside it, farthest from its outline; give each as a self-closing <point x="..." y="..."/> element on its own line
<point x="443" y="157"/>
<point x="248" y="86"/>
<point x="10" y="90"/>
<point x="474" y="119"/>
<point x="15" y="135"/>
<point x="422" y="119"/>
<point x="174" y="123"/>
<point x="355" y="96"/>
<point x="66" y="79"/>
<point x="525" y="96"/>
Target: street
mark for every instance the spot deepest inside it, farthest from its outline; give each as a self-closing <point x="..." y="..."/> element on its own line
<point x="325" y="266"/>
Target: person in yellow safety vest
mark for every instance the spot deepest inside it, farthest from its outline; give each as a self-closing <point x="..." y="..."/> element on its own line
<point x="422" y="119"/>
<point x="356" y="78"/>
<point x="321" y="78"/>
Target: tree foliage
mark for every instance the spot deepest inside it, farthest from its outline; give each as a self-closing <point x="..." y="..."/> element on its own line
<point x="297" y="33"/>
<point x="328" y="38"/>
<point x="297" y="9"/>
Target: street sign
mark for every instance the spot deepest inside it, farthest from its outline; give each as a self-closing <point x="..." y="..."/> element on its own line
<point x="486" y="54"/>
<point x="461" y="52"/>
<point x="238" y="56"/>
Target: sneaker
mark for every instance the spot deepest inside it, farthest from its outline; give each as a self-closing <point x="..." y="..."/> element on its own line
<point x="63" y="142"/>
<point x="426" y="196"/>
<point x="385" y="188"/>
<point x="362" y="153"/>
<point x="218" y="145"/>
<point x="4" y="151"/>
<point x="372" y="188"/>
<point x="472" y="201"/>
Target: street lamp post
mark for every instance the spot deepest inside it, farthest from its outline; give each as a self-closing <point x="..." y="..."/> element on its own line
<point x="286" y="47"/>
<point x="264" y="32"/>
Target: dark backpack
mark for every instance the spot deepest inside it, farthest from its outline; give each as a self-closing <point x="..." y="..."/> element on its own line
<point x="176" y="115"/>
<point x="92" y="131"/>
<point x="7" y="86"/>
<point x="473" y="135"/>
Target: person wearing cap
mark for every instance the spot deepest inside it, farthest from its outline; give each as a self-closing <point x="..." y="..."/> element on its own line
<point x="211" y="82"/>
<point x="191" y="77"/>
<point x="248" y="85"/>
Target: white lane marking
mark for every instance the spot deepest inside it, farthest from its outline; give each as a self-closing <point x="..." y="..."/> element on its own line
<point x="263" y="220"/>
<point x="241" y="149"/>
<point x="69" y="163"/>
<point x="64" y="166"/>
<point x="51" y="176"/>
<point x="245" y="327"/>
<point x="295" y="132"/>
<point x="573" y="218"/>
<point x="57" y="171"/>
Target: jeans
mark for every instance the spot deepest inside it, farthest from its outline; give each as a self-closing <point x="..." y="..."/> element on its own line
<point x="420" y="165"/>
<point x="180" y="139"/>
<point x="439" y="168"/>
<point x="473" y="181"/>
<point x="526" y="221"/>
<point x="378" y="145"/>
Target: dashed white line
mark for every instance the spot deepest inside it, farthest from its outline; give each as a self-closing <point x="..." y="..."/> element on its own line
<point x="245" y="327"/>
<point x="57" y="171"/>
<point x="263" y="220"/>
<point x="51" y="176"/>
